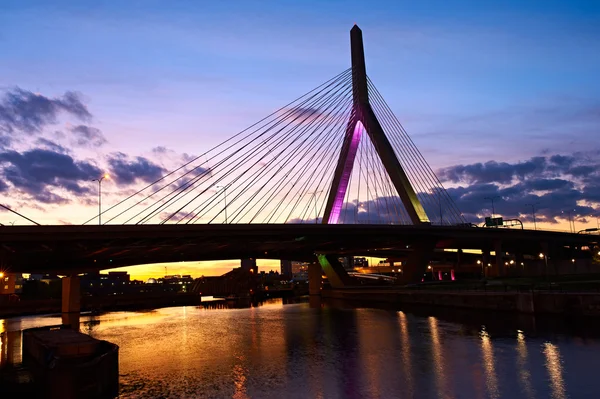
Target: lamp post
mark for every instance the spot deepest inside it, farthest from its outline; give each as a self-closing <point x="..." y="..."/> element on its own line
<point x="571" y="222"/>
<point x="492" y="199"/>
<point x="482" y="269"/>
<point x="225" y="195"/>
<point x="533" y="212"/>
<point x="314" y="194"/>
<point x="105" y="176"/>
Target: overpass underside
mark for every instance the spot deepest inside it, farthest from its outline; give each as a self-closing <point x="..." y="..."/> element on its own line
<point x="76" y="249"/>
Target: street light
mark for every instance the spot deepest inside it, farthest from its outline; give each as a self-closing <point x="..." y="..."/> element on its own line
<point x="482" y="268"/>
<point x="533" y="212"/>
<point x="225" y="195"/>
<point x="492" y="199"/>
<point x="105" y="176"/>
<point x="571" y="228"/>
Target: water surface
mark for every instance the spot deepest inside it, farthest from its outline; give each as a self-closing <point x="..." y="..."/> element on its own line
<point x="295" y="351"/>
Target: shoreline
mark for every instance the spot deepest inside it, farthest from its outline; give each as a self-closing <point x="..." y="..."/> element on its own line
<point x="573" y="304"/>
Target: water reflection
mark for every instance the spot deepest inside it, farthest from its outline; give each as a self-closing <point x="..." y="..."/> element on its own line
<point x="438" y="359"/>
<point x="491" y="381"/>
<point x="239" y="379"/>
<point x="406" y="358"/>
<point x="554" y="367"/>
<point x="294" y="351"/>
<point x="522" y="366"/>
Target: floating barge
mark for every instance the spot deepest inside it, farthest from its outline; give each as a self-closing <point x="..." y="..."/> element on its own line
<point x="67" y="364"/>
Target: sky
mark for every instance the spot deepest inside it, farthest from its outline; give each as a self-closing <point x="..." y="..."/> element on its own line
<point x="501" y="98"/>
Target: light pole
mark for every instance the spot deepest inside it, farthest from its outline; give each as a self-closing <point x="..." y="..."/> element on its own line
<point x="482" y="269"/>
<point x="492" y="199"/>
<point x="314" y="194"/>
<point x="533" y="212"/>
<point x="571" y="222"/>
<point x="225" y="195"/>
<point x="105" y="176"/>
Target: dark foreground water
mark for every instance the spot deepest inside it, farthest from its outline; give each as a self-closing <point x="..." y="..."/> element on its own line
<point x="295" y="351"/>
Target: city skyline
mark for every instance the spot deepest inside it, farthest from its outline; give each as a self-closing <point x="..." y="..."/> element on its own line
<point x="501" y="101"/>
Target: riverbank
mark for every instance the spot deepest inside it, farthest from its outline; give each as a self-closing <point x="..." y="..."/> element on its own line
<point x="100" y="304"/>
<point x="532" y="302"/>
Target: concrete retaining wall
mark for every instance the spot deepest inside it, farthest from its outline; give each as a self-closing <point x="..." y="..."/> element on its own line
<point x="554" y="303"/>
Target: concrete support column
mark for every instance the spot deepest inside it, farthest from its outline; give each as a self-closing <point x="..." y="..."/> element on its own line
<point x="71" y="301"/>
<point x="486" y="261"/>
<point x="71" y="294"/>
<point x="499" y="264"/>
<point x="334" y="270"/>
<point x="314" y="278"/>
<point x="545" y="261"/>
<point x="520" y="264"/>
<point x="417" y="261"/>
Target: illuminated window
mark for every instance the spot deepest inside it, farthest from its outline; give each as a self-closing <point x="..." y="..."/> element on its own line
<point x="6" y="287"/>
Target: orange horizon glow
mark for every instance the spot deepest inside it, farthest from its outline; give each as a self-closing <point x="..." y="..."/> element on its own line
<point x="194" y="269"/>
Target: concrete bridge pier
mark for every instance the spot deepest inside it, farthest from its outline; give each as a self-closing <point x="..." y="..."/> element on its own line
<point x="334" y="270"/>
<point x="499" y="264"/>
<point x="314" y="279"/>
<point x="485" y="259"/>
<point x="71" y="301"/>
<point x="417" y="261"/>
<point x="519" y="268"/>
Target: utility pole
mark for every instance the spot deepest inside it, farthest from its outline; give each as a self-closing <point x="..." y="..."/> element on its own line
<point x="571" y="221"/>
<point x="533" y="212"/>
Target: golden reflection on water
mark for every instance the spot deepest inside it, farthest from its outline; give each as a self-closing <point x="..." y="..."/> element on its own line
<point x="240" y="379"/>
<point x="491" y="380"/>
<point x="438" y="359"/>
<point x="406" y="355"/>
<point x="523" y="367"/>
<point x="368" y="347"/>
<point x="554" y="367"/>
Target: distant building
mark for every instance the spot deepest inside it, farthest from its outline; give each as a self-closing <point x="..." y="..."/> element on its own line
<point x="286" y="268"/>
<point x="249" y="264"/>
<point x="11" y="283"/>
<point x="299" y="267"/>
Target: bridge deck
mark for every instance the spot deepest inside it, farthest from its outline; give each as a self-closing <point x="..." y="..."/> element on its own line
<point x="85" y="248"/>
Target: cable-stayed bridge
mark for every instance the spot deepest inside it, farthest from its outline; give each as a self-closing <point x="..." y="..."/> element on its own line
<point x="331" y="173"/>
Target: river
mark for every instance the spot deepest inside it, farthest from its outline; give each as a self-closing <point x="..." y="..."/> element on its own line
<point x="277" y="350"/>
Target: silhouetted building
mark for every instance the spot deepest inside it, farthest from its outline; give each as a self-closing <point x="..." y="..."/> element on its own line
<point x="249" y="264"/>
<point x="286" y="268"/>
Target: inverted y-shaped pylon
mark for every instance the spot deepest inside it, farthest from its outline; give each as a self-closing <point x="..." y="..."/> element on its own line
<point x="363" y="118"/>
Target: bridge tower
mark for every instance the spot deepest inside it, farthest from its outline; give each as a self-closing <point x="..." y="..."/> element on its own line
<point x="363" y="118"/>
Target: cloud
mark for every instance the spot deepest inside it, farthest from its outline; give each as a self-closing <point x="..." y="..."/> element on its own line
<point x="126" y="170"/>
<point x="558" y="185"/>
<point x="27" y="112"/>
<point x="492" y="171"/>
<point x="51" y="145"/>
<point x="39" y="171"/>
<point x="87" y="136"/>
<point x="561" y="187"/>
<point x="170" y="155"/>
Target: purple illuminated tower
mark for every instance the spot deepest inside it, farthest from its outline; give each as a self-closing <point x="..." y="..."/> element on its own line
<point x="363" y="119"/>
